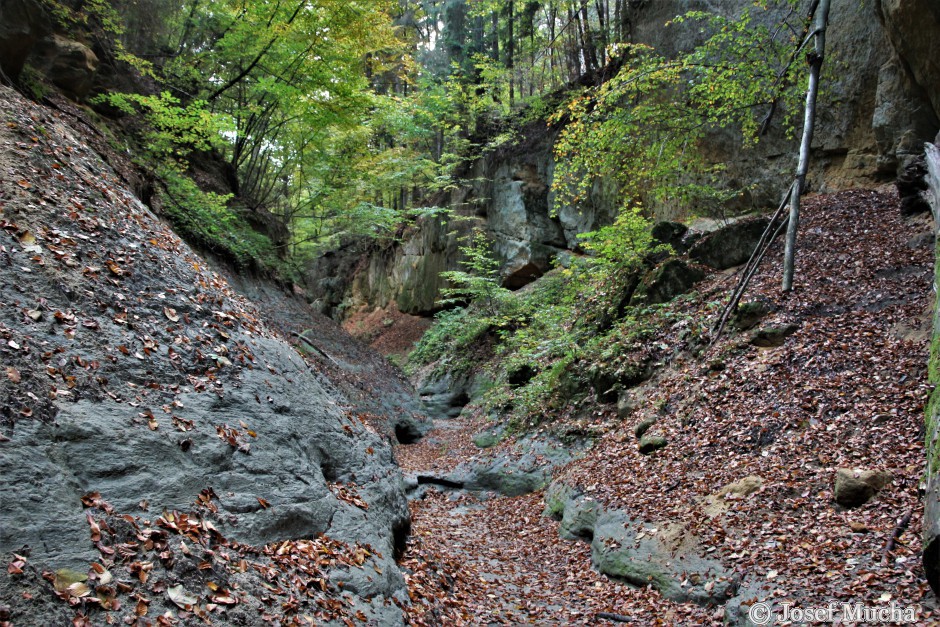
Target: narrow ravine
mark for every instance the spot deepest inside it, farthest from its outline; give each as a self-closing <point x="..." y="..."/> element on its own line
<point x="757" y="430"/>
<point x="485" y="559"/>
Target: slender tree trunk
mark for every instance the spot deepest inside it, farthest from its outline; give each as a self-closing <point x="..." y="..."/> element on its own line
<point x="573" y="49"/>
<point x="618" y="20"/>
<point x="552" y="16"/>
<point x="599" y="6"/>
<point x="511" y="51"/>
<point x="495" y="49"/>
<point x="590" y="51"/>
<point x="815" y="59"/>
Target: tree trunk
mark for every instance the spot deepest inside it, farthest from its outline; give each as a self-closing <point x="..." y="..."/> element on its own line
<point x="931" y="524"/>
<point x="511" y="51"/>
<point x="815" y="60"/>
<point x="587" y="38"/>
<point x="495" y="50"/>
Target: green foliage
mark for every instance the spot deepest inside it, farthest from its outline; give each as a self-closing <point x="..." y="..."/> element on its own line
<point x="480" y="282"/>
<point x="209" y="220"/>
<point x="571" y="322"/>
<point x="647" y="127"/>
<point x="624" y="243"/>
<point x="449" y="341"/>
<point x="173" y="130"/>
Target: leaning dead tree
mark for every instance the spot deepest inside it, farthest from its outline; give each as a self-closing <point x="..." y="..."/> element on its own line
<point x="819" y="17"/>
<point x="815" y="60"/>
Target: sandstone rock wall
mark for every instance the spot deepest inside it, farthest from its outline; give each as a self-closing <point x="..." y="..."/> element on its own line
<point x="877" y="109"/>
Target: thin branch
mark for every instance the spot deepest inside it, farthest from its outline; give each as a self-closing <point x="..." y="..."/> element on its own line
<point x="898" y="531"/>
<point x="750" y="268"/>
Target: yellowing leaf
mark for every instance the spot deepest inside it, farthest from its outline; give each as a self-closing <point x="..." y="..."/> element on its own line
<point x="65" y="578"/>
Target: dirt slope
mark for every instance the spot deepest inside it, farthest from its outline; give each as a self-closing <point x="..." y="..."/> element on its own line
<point x="845" y="389"/>
<point x="167" y="456"/>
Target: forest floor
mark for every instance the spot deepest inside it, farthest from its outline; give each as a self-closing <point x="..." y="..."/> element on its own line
<point x="846" y="389"/>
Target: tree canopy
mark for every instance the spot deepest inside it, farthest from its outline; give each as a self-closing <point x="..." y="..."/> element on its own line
<point x="340" y="118"/>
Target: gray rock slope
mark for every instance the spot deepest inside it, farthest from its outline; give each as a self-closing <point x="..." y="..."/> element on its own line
<point x="163" y="451"/>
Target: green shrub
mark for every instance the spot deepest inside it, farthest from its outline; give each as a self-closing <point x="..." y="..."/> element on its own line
<point x="210" y="220"/>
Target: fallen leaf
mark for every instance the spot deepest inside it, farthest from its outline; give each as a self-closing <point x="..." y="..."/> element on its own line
<point x="13" y="374"/>
<point x="65" y="578"/>
<point x="180" y="597"/>
<point x="79" y="589"/>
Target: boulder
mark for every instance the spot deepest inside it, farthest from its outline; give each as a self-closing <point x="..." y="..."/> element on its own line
<point x="70" y="65"/>
<point x="556" y="498"/>
<point x="663" y="556"/>
<point x="576" y="511"/>
<point x="665" y="282"/>
<point x="856" y="486"/>
<point x="525" y="466"/>
<point x="650" y="443"/>
<point x="731" y="245"/>
<point x="579" y="518"/>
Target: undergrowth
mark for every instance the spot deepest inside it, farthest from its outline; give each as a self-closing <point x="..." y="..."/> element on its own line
<point x="571" y="335"/>
<point x="214" y="222"/>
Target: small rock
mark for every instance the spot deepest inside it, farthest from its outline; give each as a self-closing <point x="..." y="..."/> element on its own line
<point x="643" y="427"/>
<point x="579" y="518"/>
<point x="650" y="443"/>
<point x="773" y="336"/>
<point x="857" y="486"/>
